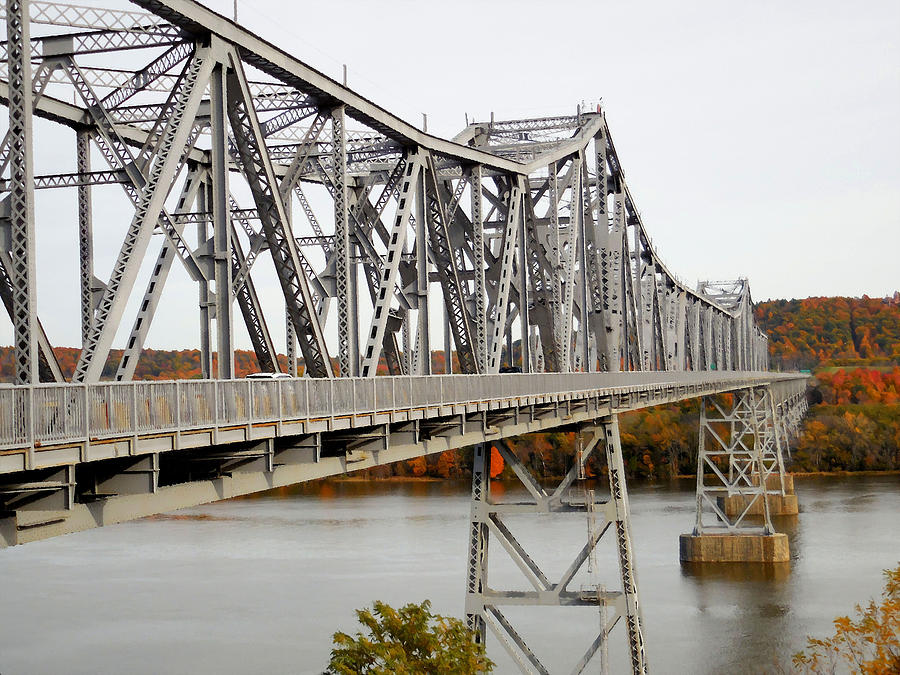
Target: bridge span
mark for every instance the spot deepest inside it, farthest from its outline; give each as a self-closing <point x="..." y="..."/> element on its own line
<point x="74" y="457"/>
<point x="516" y="248"/>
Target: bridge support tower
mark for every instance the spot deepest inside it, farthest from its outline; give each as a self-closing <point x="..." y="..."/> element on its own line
<point x="484" y="603"/>
<point x="772" y="432"/>
<point x="740" y="478"/>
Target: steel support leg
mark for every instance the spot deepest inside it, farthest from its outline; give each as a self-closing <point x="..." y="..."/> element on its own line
<point x="730" y="463"/>
<point x="221" y="213"/>
<point x="619" y="493"/>
<point x="206" y="305"/>
<point x="476" y="577"/>
<point x="483" y="603"/>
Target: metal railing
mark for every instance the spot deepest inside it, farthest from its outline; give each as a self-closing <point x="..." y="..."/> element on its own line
<point x="54" y="413"/>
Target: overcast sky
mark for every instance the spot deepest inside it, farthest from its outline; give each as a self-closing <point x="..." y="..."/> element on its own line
<point x="759" y="139"/>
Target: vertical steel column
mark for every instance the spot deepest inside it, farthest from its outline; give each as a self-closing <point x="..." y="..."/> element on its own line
<point x="291" y="339"/>
<point x="476" y="577"/>
<point x="85" y="235"/>
<point x="566" y="315"/>
<point x="559" y="333"/>
<point x="221" y="216"/>
<point x="481" y="346"/>
<point x="407" y="345"/>
<point x="708" y="337"/>
<point x="618" y="287"/>
<point x="501" y="300"/>
<point x="423" y="338"/>
<point x="348" y="336"/>
<point x="774" y="423"/>
<point x="603" y="315"/>
<point x="204" y="198"/>
<point x="694" y="308"/>
<point x="638" y="293"/>
<point x="524" y="314"/>
<point x="619" y="494"/>
<point x="680" y="329"/>
<point x="584" y="276"/>
<point x="727" y="349"/>
<point x="21" y="199"/>
<point x="448" y="341"/>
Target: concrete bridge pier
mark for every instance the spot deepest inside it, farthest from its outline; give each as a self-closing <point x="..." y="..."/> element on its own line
<point x="484" y="602"/>
<point x="780" y="497"/>
<point x="740" y="477"/>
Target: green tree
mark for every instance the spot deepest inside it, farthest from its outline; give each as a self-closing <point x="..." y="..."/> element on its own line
<point x="407" y="641"/>
<point x="870" y="645"/>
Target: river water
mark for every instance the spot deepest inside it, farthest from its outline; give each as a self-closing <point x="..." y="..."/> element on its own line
<point x="259" y="585"/>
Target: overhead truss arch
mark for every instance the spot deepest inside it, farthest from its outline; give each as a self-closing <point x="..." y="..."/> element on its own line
<point x="526" y="230"/>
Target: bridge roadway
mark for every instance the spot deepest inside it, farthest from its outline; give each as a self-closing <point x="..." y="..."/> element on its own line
<point x="74" y="457"/>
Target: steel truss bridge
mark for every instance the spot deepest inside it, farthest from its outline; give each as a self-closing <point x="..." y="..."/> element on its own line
<point x="519" y="239"/>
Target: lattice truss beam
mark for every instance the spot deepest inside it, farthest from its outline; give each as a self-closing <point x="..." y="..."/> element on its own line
<point x="607" y="519"/>
<point x="520" y="238"/>
<point x="743" y="439"/>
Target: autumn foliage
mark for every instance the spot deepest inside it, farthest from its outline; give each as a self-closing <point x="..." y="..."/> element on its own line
<point x="805" y="334"/>
<point x="858" y="385"/>
<point x="154" y="364"/>
<point x="868" y="644"/>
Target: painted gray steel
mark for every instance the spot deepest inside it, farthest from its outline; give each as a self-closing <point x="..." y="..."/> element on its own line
<point x="526" y="228"/>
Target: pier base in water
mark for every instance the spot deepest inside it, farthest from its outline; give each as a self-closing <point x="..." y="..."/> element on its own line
<point x="779" y="505"/>
<point x="764" y="548"/>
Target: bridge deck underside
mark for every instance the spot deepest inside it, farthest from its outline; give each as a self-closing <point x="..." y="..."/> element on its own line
<point x="91" y="482"/>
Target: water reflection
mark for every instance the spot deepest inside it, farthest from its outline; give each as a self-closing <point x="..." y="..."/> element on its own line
<point x="706" y="572"/>
<point x="746" y="609"/>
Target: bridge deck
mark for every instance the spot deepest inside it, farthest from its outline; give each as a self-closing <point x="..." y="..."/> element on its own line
<point x="53" y="425"/>
<point x="103" y="454"/>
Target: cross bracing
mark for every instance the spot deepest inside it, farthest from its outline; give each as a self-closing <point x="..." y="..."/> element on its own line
<point x="515" y="246"/>
<point x="549" y="251"/>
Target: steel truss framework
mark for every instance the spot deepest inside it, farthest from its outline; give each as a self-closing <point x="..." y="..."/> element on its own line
<point x="483" y="602"/>
<point x="526" y="227"/>
<point x="526" y="230"/>
<point x="743" y="439"/>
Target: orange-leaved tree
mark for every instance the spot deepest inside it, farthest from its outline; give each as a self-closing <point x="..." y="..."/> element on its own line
<point x="869" y="645"/>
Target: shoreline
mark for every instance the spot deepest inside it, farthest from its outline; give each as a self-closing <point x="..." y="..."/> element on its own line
<point x="433" y="479"/>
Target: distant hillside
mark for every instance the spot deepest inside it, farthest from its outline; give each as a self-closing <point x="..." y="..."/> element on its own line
<point x="170" y="364"/>
<point x="803" y="334"/>
<point x="154" y="364"/>
<point x="813" y="332"/>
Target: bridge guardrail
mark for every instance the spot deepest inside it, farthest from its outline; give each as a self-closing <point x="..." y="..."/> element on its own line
<point x="51" y="413"/>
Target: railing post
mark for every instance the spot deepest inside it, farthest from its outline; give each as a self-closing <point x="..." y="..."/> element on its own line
<point x="30" y="428"/>
<point x="306" y="396"/>
<point x="134" y="416"/>
<point x="87" y="419"/>
<point x="280" y="394"/>
<point x="178" y="411"/>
